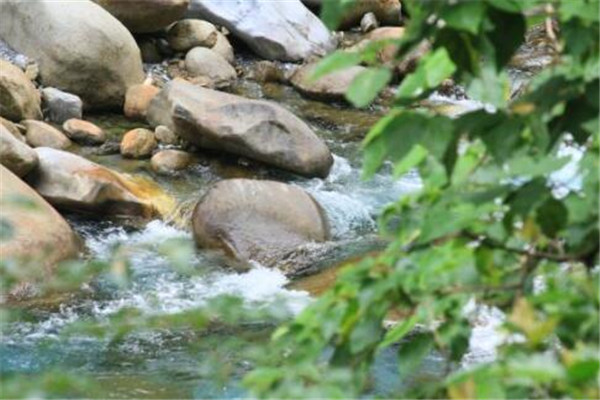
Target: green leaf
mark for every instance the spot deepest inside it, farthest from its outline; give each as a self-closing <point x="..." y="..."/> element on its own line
<point x="367" y="85"/>
<point x="466" y="15"/>
<point x="333" y="11"/>
<point x="430" y="73"/>
<point x="399" y="331"/>
<point x="552" y="216"/>
<point x="337" y="60"/>
<point x="412" y="352"/>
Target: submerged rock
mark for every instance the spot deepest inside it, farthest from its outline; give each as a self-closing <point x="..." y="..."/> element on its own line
<point x="145" y="16"/>
<point x="138" y="143"/>
<point x="39" y="236"/>
<point x="73" y="183"/>
<point x="19" y="99"/>
<point x="201" y="61"/>
<point x="41" y="134"/>
<point x="329" y="87"/>
<point x="256" y="129"/>
<point x="79" y="46"/>
<point x="285" y="31"/>
<point x="60" y="106"/>
<point x="257" y="220"/>
<point x="16" y="155"/>
<point x="167" y="161"/>
<point x="84" y="132"/>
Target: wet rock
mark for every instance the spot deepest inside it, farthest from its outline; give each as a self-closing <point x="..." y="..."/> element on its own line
<point x="79" y="46"/>
<point x="147" y="16"/>
<point x="368" y="22"/>
<point x="150" y="51"/>
<point x="201" y="61"/>
<point x="60" y="106"/>
<point x="329" y="87"/>
<point x="138" y="99"/>
<point x="223" y="48"/>
<point x="189" y="33"/>
<point x="165" y="136"/>
<point x="16" y="155"/>
<point x="41" y="134"/>
<point x="267" y="71"/>
<point x="257" y="220"/>
<point x="73" y="183"/>
<point x="84" y="132"/>
<point x="285" y="31"/>
<point x="138" y="143"/>
<point x="256" y="129"/>
<point x="167" y="161"/>
<point x="40" y="237"/>
<point x="13" y="129"/>
<point x="19" y="99"/>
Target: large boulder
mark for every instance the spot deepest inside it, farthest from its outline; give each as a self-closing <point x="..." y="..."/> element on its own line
<point x="256" y="129"/>
<point x="16" y="155"/>
<point x="332" y="86"/>
<point x="285" y="31"/>
<point x="73" y="183"/>
<point x="19" y="99"/>
<point x="258" y="220"/>
<point x="145" y="16"/>
<point x="39" y="236"/>
<point x="79" y="46"/>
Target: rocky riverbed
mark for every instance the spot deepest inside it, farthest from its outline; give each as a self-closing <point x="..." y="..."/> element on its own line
<point x="193" y="122"/>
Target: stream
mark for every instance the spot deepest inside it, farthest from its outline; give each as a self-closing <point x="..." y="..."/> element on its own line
<point x="175" y="363"/>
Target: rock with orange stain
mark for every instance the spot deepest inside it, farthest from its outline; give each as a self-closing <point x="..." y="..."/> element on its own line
<point x="137" y="99"/>
<point x="138" y="143"/>
<point x="84" y="132"/>
<point x="73" y="183"/>
<point x="39" y="237"/>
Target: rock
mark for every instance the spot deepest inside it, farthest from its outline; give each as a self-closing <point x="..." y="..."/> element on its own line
<point x="368" y="22"/>
<point x="267" y="71"/>
<point x="79" y="47"/>
<point x="13" y="129"/>
<point x="16" y="155"/>
<point x="257" y="220"/>
<point x="285" y="31"/>
<point x="223" y="48"/>
<point x="19" y="99"/>
<point x="166" y="161"/>
<point x="60" y="106"/>
<point x="84" y="132"/>
<point x="256" y="129"/>
<point x="388" y="52"/>
<point x="147" y="16"/>
<point x="150" y="51"/>
<point x="387" y="12"/>
<point x="73" y="183"/>
<point x="189" y="33"/>
<point x="329" y="87"/>
<point x="138" y="99"/>
<point x="138" y="143"/>
<point x="40" y="237"/>
<point x="204" y="62"/>
<point x="41" y="134"/>
<point x="165" y="136"/>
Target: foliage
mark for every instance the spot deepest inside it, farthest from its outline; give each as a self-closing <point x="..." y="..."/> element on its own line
<point x="491" y="223"/>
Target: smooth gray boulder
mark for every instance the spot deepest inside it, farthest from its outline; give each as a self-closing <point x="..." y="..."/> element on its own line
<point x="258" y="220"/>
<point x="59" y="106"/>
<point x="284" y="30"/>
<point x="79" y="46"/>
<point x="256" y="129"/>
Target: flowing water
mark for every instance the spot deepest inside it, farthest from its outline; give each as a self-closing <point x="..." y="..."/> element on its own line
<point x="183" y="363"/>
